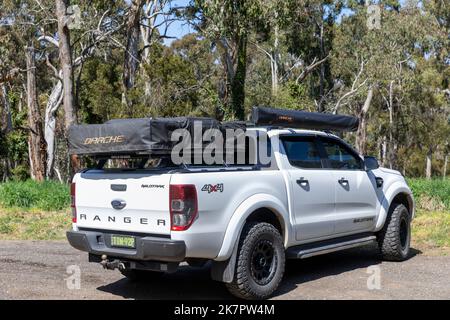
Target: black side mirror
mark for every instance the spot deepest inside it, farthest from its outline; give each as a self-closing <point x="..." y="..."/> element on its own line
<point x="371" y="163"/>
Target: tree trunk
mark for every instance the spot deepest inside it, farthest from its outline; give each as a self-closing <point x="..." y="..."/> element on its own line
<point x="53" y="103"/>
<point x="274" y="62"/>
<point x="6" y="112"/>
<point x="384" y="151"/>
<point x="65" y="57"/>
<point x="361" y="133"/>
<point x="151" y="7"/>
<point x="444" y="171"/>
<point x="36" y="142"/>
<point x="238" y="82"/>
<point x="322" y="66"/>
<point x="131" y="59"/>
<point x="391" y="125"/>
<point x="428" y="165"/>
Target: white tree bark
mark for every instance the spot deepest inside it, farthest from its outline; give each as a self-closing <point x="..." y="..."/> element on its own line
<point x="444" y="173"/>
<point x="152" y="9"/>
<point x="391" y="124"/>
<point x="54" y="101"/>
<point x="428" y="165"/>
<point x="361" y="133"/>
<point x="7" y="109"/>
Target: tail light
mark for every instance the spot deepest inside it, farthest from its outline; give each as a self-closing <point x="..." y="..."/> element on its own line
<point x="72" y="203"/>
<point x="183" y="206"/>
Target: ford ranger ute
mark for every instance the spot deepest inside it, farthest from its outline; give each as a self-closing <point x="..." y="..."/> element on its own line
<point x="316" y="195"/>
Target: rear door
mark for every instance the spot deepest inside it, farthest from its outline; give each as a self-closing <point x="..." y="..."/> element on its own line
<point x="313" y="192"/>
<point x="356" y="192"/>
<point x="135" y="201"/>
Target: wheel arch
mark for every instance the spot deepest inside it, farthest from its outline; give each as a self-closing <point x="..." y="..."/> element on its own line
<point x="397" y="193"/>
<point x="261" y="208"/>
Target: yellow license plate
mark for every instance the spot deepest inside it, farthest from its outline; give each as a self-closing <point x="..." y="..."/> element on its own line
<point x="123" y="241"/>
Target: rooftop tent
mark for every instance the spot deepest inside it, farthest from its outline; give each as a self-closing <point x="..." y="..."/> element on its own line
<point x="266" y="116"/>
<point x="139" y="136"/>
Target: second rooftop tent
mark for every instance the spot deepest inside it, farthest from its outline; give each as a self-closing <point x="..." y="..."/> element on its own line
<point x="267" y="116"/>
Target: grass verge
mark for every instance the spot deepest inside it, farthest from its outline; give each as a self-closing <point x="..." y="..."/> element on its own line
<point x="431" y="232"/>
<point x="17" y="224"/>
<point x="431" y="195"/>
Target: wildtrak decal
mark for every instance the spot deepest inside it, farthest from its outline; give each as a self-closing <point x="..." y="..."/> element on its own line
<point x="213" y="187"/>
<point x="362" y="220"/>
<point x="157" y="186"/>
<point x="104" y="140"/>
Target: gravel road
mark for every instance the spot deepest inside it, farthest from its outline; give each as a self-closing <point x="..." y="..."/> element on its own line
<point x="38" y="270"/>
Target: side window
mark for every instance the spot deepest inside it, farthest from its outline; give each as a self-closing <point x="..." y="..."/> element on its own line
<point x="340" y="157"/>
<point x="302" y="152"/>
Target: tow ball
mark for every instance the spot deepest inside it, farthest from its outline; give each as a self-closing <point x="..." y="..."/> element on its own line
<point x="111" y="265"/>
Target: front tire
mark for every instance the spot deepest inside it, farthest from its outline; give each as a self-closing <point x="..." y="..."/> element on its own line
<point x="260" y="262"/>
<point x="395" y="237"/>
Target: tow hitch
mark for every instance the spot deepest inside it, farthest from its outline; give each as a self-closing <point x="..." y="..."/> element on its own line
<point x="111" y="265"/>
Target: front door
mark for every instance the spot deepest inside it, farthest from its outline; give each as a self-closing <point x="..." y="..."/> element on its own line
<point x="356" y="191"/>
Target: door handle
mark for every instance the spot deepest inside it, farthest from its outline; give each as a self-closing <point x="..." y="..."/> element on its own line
<point x="303" y="182"/>
<point x="343" y="181"/>
<point x="379" y="181"/>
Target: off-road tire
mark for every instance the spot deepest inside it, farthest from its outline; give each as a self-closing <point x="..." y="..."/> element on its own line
<point x="141" y="275"/>
<point x="394" y="239"/>
<point x="255" y="238"/>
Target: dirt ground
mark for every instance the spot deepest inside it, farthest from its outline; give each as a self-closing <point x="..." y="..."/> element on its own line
<point x="48" y="270"/>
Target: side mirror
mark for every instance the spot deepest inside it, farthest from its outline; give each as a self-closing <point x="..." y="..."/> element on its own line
<point x="371" y="163"/>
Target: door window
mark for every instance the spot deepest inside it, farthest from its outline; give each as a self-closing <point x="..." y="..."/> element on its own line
<point x="340" y="156"/>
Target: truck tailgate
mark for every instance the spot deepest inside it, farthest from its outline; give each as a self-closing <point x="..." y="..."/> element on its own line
<point x="130" y="202"/>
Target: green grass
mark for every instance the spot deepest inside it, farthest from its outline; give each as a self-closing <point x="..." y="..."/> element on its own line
<point x="46" y="196"/>
<point x="34" y="225"/>
<point x="431" y="194"/>
<point x="431" y="230"/>
<point x="32" y="210"/>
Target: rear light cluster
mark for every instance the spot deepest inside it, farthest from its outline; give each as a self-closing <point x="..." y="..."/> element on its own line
<point x="72" y="203"/>
<point x="183" y="206"/>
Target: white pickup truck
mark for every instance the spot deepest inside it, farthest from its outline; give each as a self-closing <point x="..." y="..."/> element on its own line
<point x="317" y="196"/>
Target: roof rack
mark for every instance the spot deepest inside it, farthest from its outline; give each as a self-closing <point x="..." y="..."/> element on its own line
<point x="283" y="118"/>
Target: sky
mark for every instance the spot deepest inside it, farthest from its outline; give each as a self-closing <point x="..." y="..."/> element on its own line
<point x="178" y="28"/>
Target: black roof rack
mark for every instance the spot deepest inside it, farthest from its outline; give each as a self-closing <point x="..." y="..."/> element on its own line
<point x="283" y="118"/>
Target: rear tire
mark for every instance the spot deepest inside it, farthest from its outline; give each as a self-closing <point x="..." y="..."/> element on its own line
<point x="395" y="237"/>
<point x="135" y="275"/>
<point x="260" y="262"/>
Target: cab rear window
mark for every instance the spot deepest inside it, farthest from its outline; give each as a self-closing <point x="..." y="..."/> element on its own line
<point x="302" y="152"/>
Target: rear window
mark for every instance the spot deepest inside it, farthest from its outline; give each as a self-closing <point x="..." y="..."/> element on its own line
<point x="302" y="152"/>
<point x="127" y="163"/>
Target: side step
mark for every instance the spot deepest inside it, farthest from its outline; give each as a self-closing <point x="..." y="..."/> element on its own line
<point x="327" y="246"/>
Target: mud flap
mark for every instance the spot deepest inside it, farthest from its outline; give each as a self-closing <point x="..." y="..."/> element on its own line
<point x="223" y="271"/>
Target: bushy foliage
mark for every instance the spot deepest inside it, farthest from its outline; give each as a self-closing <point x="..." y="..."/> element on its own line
<point x="431" y="192"/>
<point x="47" y="195"/>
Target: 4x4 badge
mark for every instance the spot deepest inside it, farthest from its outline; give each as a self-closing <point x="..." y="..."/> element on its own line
<point x="213" y="187"/>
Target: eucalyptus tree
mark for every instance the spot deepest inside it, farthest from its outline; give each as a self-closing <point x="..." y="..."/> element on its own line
<point x="229" y="24"/>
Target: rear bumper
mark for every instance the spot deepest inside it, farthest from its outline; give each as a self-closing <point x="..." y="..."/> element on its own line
<point x="147" y="248"/>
